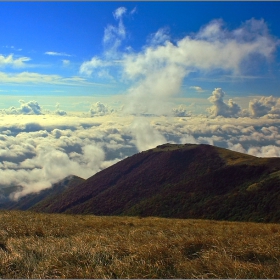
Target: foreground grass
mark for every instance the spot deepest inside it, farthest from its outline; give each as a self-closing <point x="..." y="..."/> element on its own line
<point x="36" y="245"/>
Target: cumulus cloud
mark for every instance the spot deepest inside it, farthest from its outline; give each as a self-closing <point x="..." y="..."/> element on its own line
<point x="220" y="108"/>
<point x="99" y="109"/>
<point x="58" y="111"/>
<point x="26" y="108"/>
<point x="264" y="106"/>
<point x="181" y="111"/>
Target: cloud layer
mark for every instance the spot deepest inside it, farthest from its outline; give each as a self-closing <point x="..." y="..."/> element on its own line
<point x="37" y="154"/>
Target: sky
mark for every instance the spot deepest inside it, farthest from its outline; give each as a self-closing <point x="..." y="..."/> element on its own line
<point x="86" y="84"/>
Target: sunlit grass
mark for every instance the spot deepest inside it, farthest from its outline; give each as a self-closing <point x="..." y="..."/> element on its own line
<point x="34" y="245"/>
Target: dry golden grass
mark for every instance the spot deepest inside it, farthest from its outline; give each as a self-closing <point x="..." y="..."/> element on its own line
<point x="36" y="245"/>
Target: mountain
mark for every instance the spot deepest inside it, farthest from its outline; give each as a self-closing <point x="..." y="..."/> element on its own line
<point x="181" y="181"/>
<point x="46" y="195"/>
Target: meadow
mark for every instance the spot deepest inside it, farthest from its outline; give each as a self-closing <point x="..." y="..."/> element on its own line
<point x="35" y="245"/>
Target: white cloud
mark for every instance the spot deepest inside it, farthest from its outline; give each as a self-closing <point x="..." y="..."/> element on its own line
<point x="99" y="109"/>
<point x="65" y="62"/>
<point x="31" y="108"/>
<point x="15" y="63"/>
<point x="119" y="12"/>
<point x="58" y="111"/>
<point x="158" y="71"/>
<point x="160" y="37"/>
<point x="146" y="137"/>
<point x="88" y="66"/>
<point x="36" y="155"/>
<point x="181" y="111"/>
<point x="114" y="35"/>
<point x="26" y="108"/>
<point x="112" y="40"/>
<point x="265" y="151"/>
<point x="151" y="94"/>
<point x="225" y="51"/>
<point x="197" y="89"/>
<point x="133" y="11"/>
<point x="264" y="106"/>
<point x="57" y="54"/>
<point x="220" y="108"/>
<point x="36" y="78"/>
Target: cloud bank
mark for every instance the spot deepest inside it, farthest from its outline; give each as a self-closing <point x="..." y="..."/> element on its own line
<point x="38" y="154"/>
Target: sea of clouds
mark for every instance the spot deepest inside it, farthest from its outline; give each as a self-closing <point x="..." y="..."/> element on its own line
<point x="38" y="149"/>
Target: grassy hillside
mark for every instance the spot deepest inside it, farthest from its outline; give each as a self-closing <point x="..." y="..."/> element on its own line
<point x="36" y="245"/>
<point x="180" y="181"/>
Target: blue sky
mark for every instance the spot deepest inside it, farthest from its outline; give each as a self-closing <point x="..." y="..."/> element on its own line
<point x="54" y="39"/>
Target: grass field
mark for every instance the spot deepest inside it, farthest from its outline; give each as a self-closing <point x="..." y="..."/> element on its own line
<point x="34" y="245"/>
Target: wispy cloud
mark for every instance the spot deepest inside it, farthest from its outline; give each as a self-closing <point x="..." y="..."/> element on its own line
<point x="37" y="78"/>
<point x="197" y="89"/>
<point x="66" y="62"/>
<point x="57" y="54"/>
<point x="88" y="66"/>
<point x="114" y="35"/>
<point x="13" y="62"/>
<point x="119" y="12"/>
<point x="160" y="37"/>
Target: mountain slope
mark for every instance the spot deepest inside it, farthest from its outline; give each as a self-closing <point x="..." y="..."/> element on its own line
<point x="184" y="181"/>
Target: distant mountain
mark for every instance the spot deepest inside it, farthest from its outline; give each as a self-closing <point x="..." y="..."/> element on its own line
<point x="182" y="181"/>
<point x="46" y="195"/>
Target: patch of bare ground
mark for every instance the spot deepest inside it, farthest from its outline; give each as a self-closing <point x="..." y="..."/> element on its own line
<point x="34" y="245"/>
